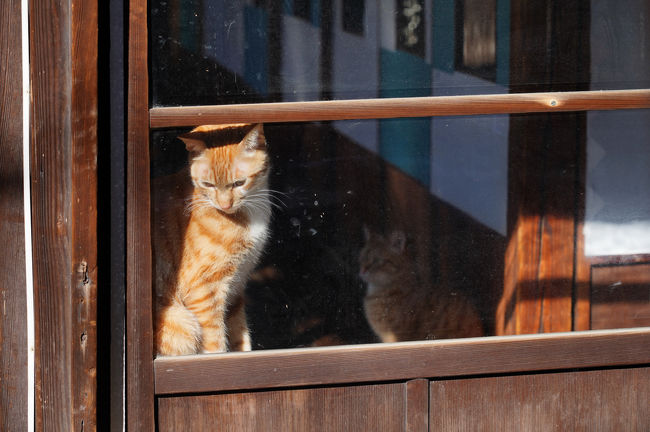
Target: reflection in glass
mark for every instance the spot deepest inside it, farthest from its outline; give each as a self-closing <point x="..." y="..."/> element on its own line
<point x="242" y="51"/>
<point x="476" y="38"/>
<point x="479" y="215"/>
<point x="617" y="220"/>
<point x="312" y="284"/>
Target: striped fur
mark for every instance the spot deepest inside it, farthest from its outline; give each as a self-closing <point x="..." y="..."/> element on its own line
<point x="401" y="308"/>
<point x="210" y="223"/>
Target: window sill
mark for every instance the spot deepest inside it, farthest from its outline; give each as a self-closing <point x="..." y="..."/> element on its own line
<point x="407" y="360"/>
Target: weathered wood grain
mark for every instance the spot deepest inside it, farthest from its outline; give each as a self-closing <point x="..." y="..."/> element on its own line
<point x="50" y="160"/>
<point x="139" y="325"/>
<point x="600" y="400"/>
<point x="417" y="405"/>
<point x="83" y="225"/>
<point x="400" y="107"/>
<point x="13" y="324"/>
<point x="380" y="407"/>
<point x="409" y="360"/>
<point x="63" y="56"/>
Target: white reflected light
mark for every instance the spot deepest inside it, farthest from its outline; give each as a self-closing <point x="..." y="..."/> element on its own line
<point x="605" y="238"/>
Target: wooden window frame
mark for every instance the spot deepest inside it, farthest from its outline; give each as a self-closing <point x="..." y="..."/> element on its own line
<point x="147" y="378"/>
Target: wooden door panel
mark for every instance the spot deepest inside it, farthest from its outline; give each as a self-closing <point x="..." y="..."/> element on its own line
<point x="382" y="407"/>
<point x="601" y="400"/>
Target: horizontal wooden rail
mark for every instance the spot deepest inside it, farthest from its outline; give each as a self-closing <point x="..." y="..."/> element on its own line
<point x="399" y="107"/>
<point x="383" y="362"/>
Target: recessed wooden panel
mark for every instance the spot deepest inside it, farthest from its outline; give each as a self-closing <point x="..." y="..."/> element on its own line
<point x="620" y="296"/>
<point x="354" y="408"/>
<point x="601" y="400"/>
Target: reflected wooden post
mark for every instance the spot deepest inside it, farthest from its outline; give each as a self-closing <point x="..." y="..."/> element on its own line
<point x="546" y="159"/>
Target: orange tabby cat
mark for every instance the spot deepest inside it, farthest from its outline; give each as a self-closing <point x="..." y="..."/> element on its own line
<point x="210" y="223"/>
<point x="401" y="308"/>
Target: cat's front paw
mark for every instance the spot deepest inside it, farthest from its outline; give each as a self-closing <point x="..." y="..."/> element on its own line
<point x="214" y="348"/>
<point x="243" y="344"/>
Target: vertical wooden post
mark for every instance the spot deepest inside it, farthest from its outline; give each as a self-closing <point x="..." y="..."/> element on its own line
<point x="13" y="321"/>
<point x="139" y="326"/>
<point x="63" y="57"/>
<point x="83" y="202"/>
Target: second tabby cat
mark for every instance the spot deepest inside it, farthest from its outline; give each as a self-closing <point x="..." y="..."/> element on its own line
<point x="400" y="307"/>
<point x="210" y="223"/>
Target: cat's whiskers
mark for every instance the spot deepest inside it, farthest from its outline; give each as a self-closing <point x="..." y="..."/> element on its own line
<point x="267" y="194"/>
<point x="263" y="202"/>
<point x="262" y="197"/>
<point x="199" y="203"/>
<point x="278" y="203"/>
<point x="192" y="204"/>
<point x="274" y="191"/>
<point x="255" y="204"/>
<point x="273" y="194"/>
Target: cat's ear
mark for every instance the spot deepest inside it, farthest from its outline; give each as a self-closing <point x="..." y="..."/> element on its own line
<point x="193" y="143"/>
<point x="397" y="241"/>
<point x="254" y="139"/>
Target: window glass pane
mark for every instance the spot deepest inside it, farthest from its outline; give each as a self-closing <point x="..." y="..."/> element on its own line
<point x="475" y="220"/>
<point x="618" y="183"/>
<point x="241" y="51"/>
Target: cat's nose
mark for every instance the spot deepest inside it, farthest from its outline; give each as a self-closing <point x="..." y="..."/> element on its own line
<point x="225" y="204"/>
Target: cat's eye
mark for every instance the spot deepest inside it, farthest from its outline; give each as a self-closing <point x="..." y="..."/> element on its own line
<point x="238" y="183"/>
<point x="207" y="184"/>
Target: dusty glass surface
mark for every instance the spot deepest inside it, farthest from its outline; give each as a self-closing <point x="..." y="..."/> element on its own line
<point x="241" y="51"/>
<point x="464" y="192"/>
